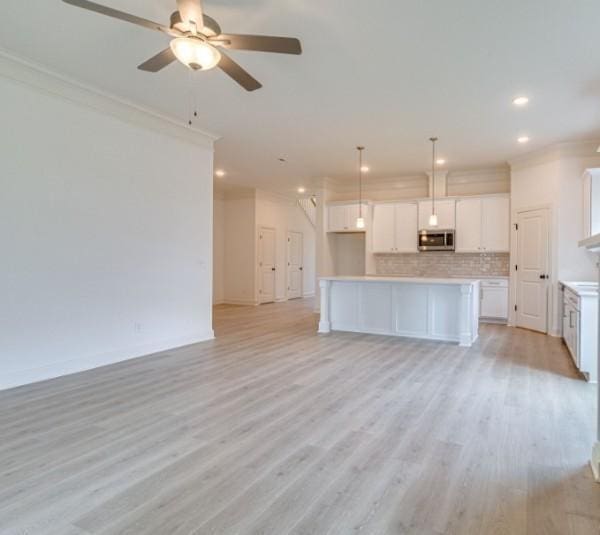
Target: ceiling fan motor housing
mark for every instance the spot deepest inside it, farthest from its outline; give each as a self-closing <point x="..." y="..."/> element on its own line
<point x="211" y="27"/>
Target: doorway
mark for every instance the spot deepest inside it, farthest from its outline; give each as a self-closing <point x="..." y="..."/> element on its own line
<point x="295" y="255"/>
<point x="266" y="265"/>
<point x="533" y="261"/>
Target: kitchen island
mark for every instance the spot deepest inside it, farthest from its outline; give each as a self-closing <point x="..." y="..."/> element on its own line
<point x="434" y="309"/>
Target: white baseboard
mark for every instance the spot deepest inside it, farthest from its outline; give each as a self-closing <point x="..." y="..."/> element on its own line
<point x="68" y="367"/>
<point x="240" y="302"/>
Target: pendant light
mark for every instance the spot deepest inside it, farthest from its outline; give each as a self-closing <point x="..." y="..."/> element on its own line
<point x="360" y="222"/>
<point x="433" y="218"/>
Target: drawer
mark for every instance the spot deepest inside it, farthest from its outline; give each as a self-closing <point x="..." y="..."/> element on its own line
<point x="494" y="283"/>
<point x="572" y="299"/>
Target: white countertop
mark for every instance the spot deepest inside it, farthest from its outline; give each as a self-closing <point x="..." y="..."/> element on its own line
<point x="582" y="289"/>
<point x="409" y="280"/>
<point x="592" y="243"/>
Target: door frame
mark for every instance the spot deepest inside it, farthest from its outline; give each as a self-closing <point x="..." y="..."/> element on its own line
<point x="257" y="277"/>
<point x="287" y="262"/>
<point x="514" y="260"/>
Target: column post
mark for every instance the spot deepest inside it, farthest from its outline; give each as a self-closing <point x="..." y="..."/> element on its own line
<point x="467" y="336"/>
<point x="324" y="325"/>
<point x="595" y="460"/>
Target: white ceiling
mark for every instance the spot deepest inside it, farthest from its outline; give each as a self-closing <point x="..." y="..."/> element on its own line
<point x="387" y="74"/>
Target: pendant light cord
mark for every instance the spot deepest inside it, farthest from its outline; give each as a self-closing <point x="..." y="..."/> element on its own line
<point x="360" y="151"/>
<point x="433" y="140"/>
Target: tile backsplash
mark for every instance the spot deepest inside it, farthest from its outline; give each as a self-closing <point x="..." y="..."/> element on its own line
<point x="443" y="264"/>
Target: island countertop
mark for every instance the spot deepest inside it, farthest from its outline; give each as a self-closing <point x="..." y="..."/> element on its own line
<point x="409" y="280"/>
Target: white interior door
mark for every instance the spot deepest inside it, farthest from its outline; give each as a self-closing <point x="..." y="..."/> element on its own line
<point x="295" y="255"/>
<point x="533" y="248"/>
<point x="266" y="265"/>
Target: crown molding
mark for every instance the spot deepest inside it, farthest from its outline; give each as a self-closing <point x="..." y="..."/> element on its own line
<point x="38" y="77"/>
<point x="495" y="174"/>
<point x="552" y="153"/>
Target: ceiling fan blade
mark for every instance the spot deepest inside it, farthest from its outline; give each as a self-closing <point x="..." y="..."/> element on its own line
<point x="236" y="72"/>
<point x="191" y="12"/>
<point x="121" y="15"/>
<point x="261" y="43"/>
<point x="158" y="62"/>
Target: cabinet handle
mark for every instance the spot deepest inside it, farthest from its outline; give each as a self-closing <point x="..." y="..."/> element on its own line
<point x="571" y="319"/>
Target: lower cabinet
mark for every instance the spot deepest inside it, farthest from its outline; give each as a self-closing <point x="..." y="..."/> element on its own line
<point x="580" y="331"/>
<point x="494" y="300"/>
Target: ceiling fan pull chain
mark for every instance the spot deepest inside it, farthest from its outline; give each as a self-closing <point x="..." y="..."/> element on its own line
<point x="191" y="111"/>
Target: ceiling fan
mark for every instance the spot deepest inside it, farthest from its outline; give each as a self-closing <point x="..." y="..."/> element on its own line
<point x="197" y="39"/>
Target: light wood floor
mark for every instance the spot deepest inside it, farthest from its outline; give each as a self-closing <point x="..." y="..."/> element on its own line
<point x="273" y="429"/>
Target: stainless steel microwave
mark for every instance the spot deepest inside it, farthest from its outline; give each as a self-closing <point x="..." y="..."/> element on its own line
<point x="436" y="240"/>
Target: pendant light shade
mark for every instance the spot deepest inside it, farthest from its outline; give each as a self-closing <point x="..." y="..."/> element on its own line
<point x="360" y="221"/>
<point x="433" y="218"/>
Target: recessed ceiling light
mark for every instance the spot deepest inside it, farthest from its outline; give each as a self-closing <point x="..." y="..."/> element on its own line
<point x="365" y="168"/>
<point x="520" y="101"/>
<point x="220" y="173"/>
<point x="523" y="140"/>
<point x="301" y="190"/>
<point x="440" y="161"/>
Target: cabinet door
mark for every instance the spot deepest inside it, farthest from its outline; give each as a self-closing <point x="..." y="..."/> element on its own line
<point x="494" y="303"/>
<point x="406" y="228"/>
<point x="383" y="228"/>
<point x="468" y="226"/>
<point x="352" y="214"/>
<point x="495" y="223"/>
<point x="446" y="212"/>
<point x="337" y="218"/>
<point x="424" y="213"/>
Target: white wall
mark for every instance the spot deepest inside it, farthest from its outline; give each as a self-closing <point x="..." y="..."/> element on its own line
<point x="554" y="179"/>
<point x="240" y="250"/>
<point x="350" y="254"/>
<point x="106" y="231"/>
<point x="285" y="215"/>
<point x="218" y="250"/>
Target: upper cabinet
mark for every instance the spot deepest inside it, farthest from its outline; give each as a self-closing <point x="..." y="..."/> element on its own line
<point x="591" y="203"/>
<point x="342" y="217"/>
<point x="445" y="210"/>
<point x="483" y="225"/>
<point x="395" y="227"/>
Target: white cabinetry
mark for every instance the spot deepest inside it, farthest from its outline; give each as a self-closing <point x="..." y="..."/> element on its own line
<point x="580" y="327"/>
<point x="445" y="210"/>
<point x="342" y="217"/>
<point x="483" y="225"/>
<point x="395" y="228"/>
<point x="591" y="203"/>
<point x="494" y="300"/>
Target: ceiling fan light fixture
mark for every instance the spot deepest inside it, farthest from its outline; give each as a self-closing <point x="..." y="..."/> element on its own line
<point x="195" y="53"/>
